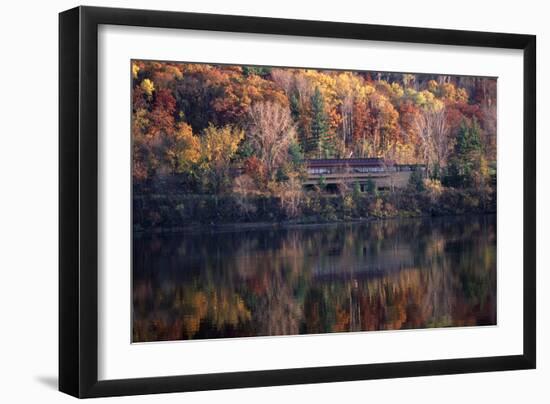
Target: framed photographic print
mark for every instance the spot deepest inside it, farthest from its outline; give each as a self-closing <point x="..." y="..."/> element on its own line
<point x="251" y="201"/>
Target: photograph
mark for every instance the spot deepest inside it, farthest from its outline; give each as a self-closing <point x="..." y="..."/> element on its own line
<point x="271" y="201"/>
<point x="275" y="202"/>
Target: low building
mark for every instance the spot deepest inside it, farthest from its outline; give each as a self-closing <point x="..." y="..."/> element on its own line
<point x="385" y="174"/>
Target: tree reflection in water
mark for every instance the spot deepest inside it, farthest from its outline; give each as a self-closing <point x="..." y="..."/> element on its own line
<point x="385" y="275"/>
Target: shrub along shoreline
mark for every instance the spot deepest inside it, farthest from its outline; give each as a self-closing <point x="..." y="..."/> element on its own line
<point x="174" y="211"/>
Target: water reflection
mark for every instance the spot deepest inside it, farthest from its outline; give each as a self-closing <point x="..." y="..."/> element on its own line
<point x="386" y="275"/>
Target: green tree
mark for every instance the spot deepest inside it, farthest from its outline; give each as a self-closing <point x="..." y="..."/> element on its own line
<point x="466" y="159"/>
<point x="370" y="187"/>
<point x="416" y="181"/>
<point x="321" y="140"/>
<point x="295" y="107"/>
<point x="295" y="153"/>
<point x="295" y="112"/>
<point x="261" y="71"/>
<point x="322" y="183"/>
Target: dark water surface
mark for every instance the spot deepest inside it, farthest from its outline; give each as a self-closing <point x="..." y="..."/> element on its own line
<point x="384" y="275"/>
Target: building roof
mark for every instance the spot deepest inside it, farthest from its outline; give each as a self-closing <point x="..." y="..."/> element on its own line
<point x="356" y="162"/>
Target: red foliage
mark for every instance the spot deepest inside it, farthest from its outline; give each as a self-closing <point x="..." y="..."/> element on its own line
<point x="162" y="114"/>
<point x="255" y="169"/>
<point x="139" y="99"/>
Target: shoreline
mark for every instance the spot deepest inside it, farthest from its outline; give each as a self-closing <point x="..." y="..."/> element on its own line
<point x="289" y="224"/>
<point x="172" y="212"/>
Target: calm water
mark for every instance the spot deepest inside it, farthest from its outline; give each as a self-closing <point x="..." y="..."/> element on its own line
<point x="385" y="275"/>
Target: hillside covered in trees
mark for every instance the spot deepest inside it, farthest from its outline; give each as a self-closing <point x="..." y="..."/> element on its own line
<point x="214" y="138"/>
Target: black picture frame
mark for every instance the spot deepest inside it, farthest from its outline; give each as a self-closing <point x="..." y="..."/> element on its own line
<point x="78" y="201"/>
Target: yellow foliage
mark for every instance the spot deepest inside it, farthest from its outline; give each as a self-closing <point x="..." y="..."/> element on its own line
<point x="326" y="83"/>
<point x="404" y="153"/>
<point x="433" y="187"/>
<point x="218" y="145"/>
<point x="397" y="90"/>
<point x="177" y="74"/>
<point x="147" y="86"/>
<point x="186" y="150"/>
<point x="426" y="99"/>
<point x="433" y="87"/>
<point x="408" y="79"/>
<point x="192" y="143"/>
<point x="429" y="97"/>
<point x="462" y="95"/>
<point x="383" y="87"/>
<point x="364" y="91"/>
<point x="141" y="120"/>
<point x="135" y="70"/>
<point x="347" y="83"/>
